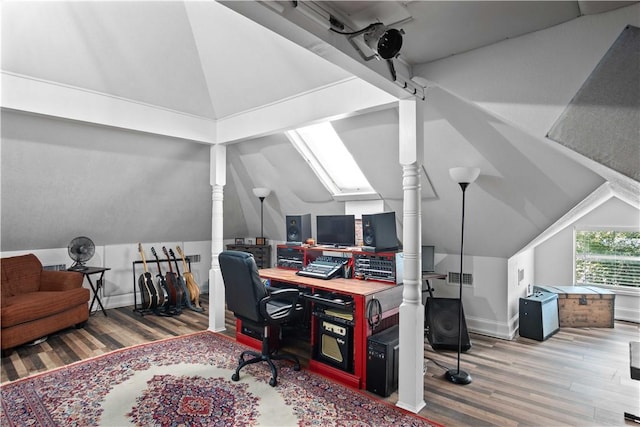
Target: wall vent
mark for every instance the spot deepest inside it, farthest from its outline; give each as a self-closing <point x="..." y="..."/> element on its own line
<point x="56" y="267"/>
<point x="467" y="278"/>
<point x="194" y="258"/>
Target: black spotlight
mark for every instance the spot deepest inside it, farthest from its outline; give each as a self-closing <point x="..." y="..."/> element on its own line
<point x="385" y="42"/>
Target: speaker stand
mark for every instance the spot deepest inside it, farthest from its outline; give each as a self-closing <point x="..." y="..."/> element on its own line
<point x="458" y="377"/>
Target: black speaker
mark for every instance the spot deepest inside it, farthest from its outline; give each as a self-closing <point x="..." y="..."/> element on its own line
<point x="539" y="316"/>
<point x="379" y="232"/>
<point x="298" y="228"/>
<point x="441" y="316"/>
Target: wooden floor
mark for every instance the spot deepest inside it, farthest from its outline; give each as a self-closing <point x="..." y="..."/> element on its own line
<point x="578" y="377"/>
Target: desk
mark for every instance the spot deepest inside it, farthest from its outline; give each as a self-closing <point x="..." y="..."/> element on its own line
<point x="87" y="272"/>
<point x="361" y="291"/>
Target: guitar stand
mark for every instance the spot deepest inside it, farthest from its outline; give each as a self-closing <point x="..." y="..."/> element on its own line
<point x="157" y="311"/>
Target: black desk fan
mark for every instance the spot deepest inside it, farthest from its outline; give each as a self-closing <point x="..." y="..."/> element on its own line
<point x="81" y="249"/>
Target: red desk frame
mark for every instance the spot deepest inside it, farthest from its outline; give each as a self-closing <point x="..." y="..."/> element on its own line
<point x="390" y="297"/>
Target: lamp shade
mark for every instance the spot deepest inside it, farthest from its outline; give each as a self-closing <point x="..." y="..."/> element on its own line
<point x="464" y="175"/>
<point x="261" y="192"/>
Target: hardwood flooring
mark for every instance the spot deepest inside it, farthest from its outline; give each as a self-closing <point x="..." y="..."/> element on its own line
<point x="578" y="377"/>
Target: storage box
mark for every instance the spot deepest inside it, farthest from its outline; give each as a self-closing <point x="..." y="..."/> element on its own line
<point x="583" y="306"/>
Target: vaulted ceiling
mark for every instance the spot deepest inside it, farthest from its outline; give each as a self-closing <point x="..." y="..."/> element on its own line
<point x="207" y="70"/>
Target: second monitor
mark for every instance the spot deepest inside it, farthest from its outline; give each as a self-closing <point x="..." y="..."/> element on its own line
<point x="336" y="230"/>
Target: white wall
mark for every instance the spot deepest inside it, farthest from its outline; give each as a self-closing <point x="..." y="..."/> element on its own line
<point x="485" y="302"/>
<point x="554" y="257"/>
<point x="120" y="282"/>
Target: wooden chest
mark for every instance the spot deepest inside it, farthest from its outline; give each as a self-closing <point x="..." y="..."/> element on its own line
<point x="583" y="306"/>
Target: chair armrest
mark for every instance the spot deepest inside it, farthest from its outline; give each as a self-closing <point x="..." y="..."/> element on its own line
<point x="279" y="305"/>
<point x="60" y="280"/>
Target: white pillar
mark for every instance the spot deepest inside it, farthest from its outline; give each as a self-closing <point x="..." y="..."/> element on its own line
<point x="218" y="173"/>
<point x="411" y="378"/>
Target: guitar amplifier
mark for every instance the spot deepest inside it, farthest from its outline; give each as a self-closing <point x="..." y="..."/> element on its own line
<point x="334" y="343"/>
<point x="539" y="316"/>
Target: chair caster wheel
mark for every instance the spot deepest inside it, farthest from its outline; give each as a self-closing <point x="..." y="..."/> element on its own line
<point x="273" y="382"/>
<point x="235" y="377"/>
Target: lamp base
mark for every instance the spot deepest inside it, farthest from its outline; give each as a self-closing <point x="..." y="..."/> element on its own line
<point x="458" y="377"/>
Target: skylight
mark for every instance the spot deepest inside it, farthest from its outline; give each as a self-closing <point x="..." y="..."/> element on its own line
<point x="325" y="152"/>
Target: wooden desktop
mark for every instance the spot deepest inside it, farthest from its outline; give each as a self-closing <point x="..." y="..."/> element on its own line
<point x="361" y="292"/>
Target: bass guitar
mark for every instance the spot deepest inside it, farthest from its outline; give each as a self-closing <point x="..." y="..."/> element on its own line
<point x="187" y="296"/>
<point x="175" y="288"/>
<point x="170" y="304"/>
<point x="145" y="283"/>
<point x="192" y="286"/>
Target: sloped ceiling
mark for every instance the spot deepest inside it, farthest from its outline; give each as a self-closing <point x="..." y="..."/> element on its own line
<point x="187" y="57"/>
<point x="202" y="59"/>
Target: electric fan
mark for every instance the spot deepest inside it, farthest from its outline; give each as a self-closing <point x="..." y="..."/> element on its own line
<point x="81" y="249"/>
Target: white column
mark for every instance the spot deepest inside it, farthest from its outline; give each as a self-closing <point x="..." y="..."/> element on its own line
<point x="218" y="165"/>
<point x="411" y="378"/>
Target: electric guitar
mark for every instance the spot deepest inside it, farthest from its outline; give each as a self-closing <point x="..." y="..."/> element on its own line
<point x="192" y="286"/>
<point x="163" y="287"/>
<point x="187" y="296"/>
<point x="145" y="283"/>
<point x="175" y="288"/>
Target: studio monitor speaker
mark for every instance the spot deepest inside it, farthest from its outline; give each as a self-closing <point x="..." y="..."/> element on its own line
<point x="442" y="324"/>
<point x="298" y="228"/>
<point x="379" y="232"/>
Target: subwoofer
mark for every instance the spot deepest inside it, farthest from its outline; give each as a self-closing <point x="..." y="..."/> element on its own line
<point x="441" y="316"/>
<point x="298" y="228"/>
<point x="379" y="232"/>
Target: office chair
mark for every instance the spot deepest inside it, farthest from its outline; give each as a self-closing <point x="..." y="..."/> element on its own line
<point x="252" y="302"/>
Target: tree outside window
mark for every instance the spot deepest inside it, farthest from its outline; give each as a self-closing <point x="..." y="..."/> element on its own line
<point x="607" y="257"/>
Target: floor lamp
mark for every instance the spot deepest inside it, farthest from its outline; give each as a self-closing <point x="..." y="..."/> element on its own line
<point x="261" y="193"/>
<point x="464" y="177"/>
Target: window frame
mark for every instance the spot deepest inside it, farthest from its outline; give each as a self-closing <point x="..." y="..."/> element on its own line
<point x="619" y="289"/>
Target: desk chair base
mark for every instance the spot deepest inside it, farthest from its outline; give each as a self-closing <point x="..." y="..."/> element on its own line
<point x="265" y="356"/>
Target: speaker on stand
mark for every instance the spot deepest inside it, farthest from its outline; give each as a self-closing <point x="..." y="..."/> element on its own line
<point x="298" y="228"/>
<point x="441" y="316"/>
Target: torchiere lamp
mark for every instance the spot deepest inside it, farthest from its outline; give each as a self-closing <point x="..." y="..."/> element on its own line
<point x="261" y="193"/>
<point x="463" y="176"/>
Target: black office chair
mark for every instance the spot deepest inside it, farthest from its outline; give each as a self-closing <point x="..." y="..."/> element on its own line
<point x="253" y="303"/>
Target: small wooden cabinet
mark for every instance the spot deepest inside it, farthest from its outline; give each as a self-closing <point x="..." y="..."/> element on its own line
<point x="261" y="253"/>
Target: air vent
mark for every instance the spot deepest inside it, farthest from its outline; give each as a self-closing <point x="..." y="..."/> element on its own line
<point x="56" y="267"/>
<point x="467" y="278"/>
<point x="194" y="258"/>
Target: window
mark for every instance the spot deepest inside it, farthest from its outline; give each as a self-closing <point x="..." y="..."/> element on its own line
<point x="326" y="154"/>
<point x="607" y="257"/>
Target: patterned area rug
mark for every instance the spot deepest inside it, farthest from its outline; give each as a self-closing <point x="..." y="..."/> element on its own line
<point x="186" y="381"/>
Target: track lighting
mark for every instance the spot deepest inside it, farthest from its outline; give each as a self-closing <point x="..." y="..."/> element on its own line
<point x="386" y="43"/>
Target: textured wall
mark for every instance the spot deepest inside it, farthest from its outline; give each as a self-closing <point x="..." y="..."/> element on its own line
<point x="62" y="179"/>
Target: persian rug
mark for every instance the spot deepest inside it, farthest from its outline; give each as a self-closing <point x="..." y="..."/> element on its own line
<point x="186" y="381"/>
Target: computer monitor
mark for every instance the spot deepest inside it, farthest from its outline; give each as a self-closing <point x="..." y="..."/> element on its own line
<point x="428" y="259"/>
<point x="336" y="230"/>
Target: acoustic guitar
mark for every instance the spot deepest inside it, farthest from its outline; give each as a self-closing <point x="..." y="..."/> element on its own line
<point x="175" y="288"/>
<point x="145" y="283"/>
<point x="192" y="286"/>
<point x="170" y="295"/>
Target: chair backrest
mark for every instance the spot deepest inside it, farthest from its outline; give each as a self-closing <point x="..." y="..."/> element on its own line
<point x="243" y="288"/>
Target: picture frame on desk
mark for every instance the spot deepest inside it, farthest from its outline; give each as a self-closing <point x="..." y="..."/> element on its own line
<point x="239" y="240"/>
